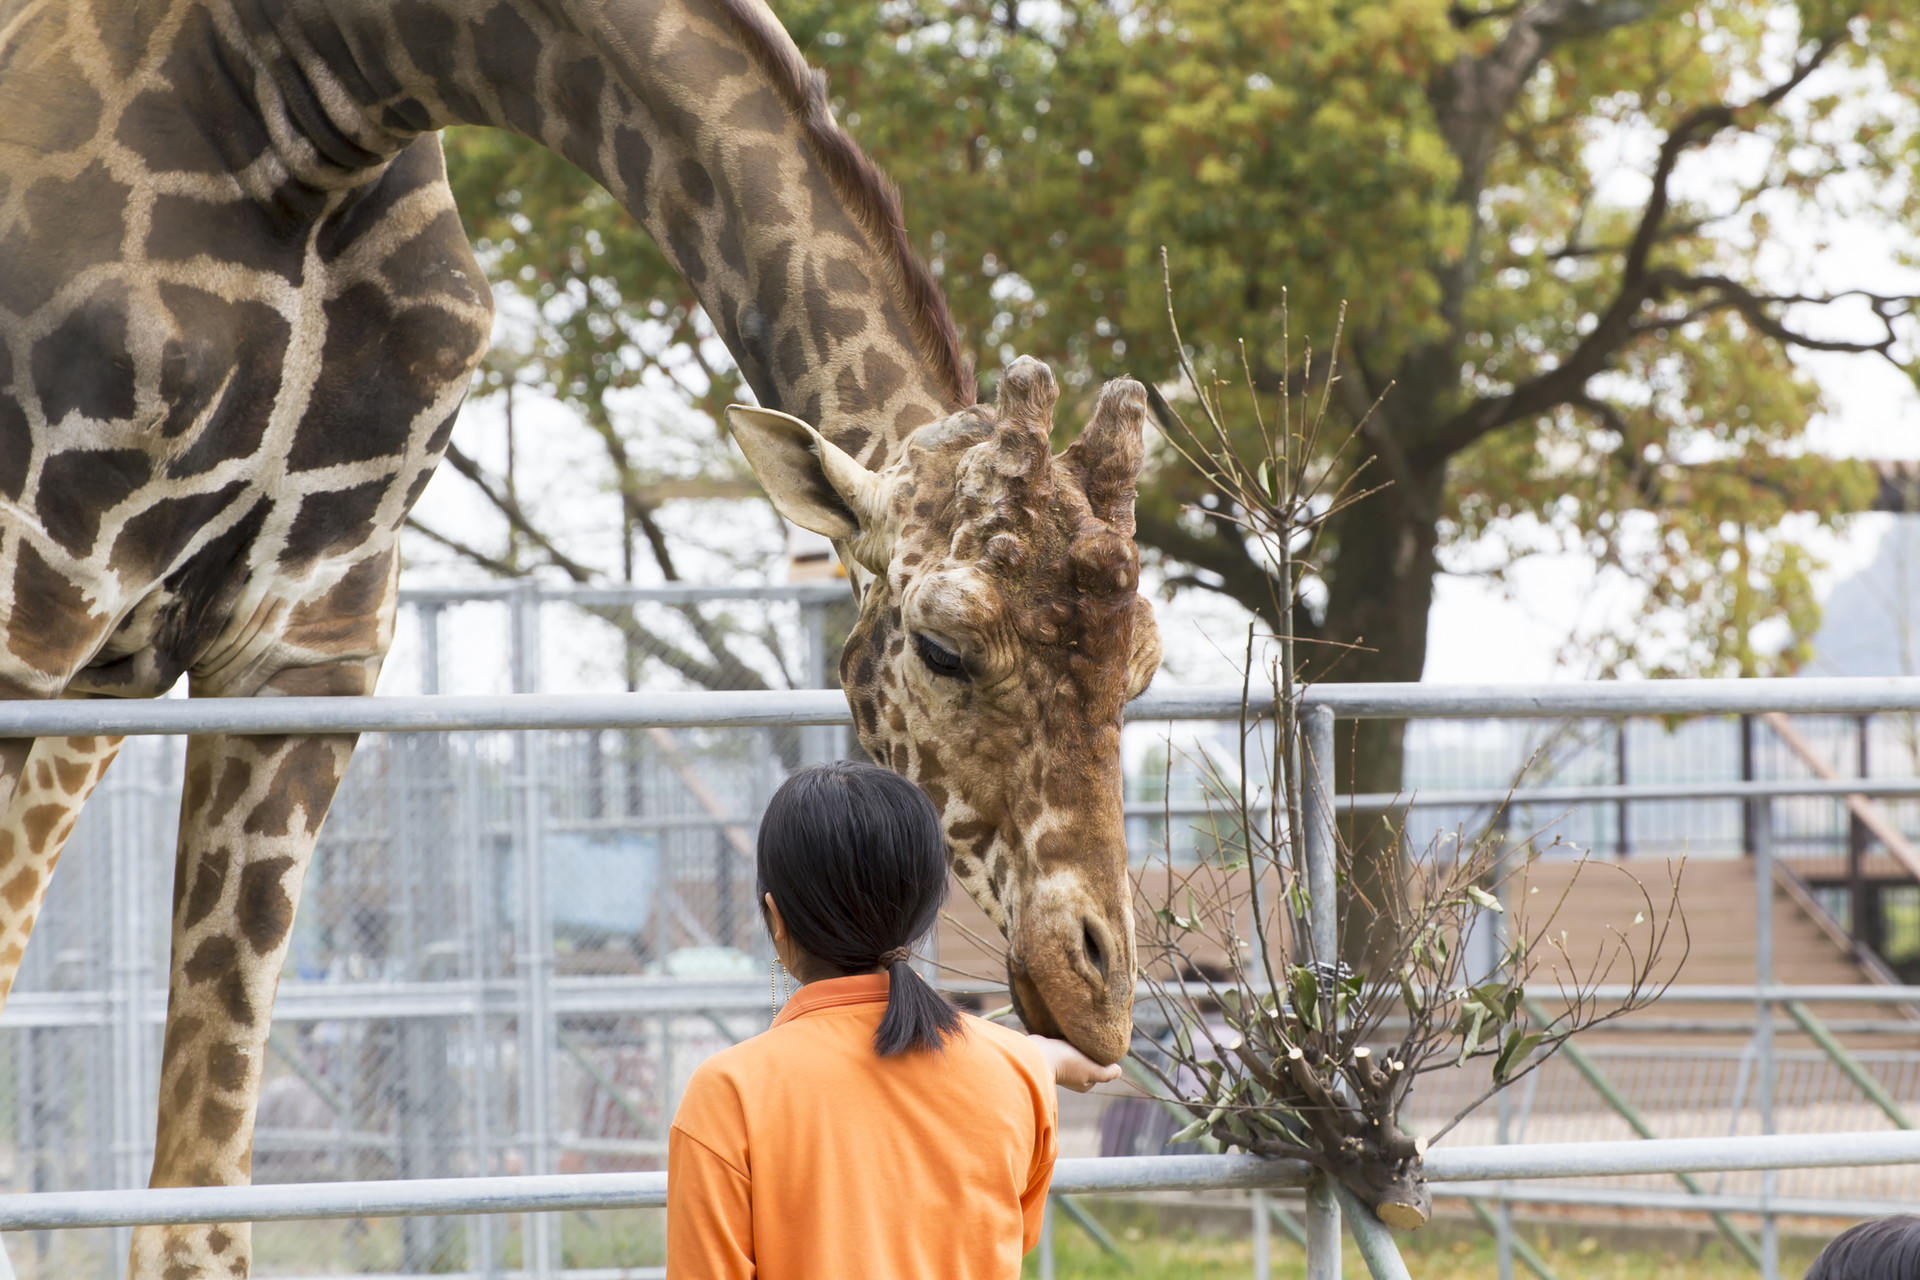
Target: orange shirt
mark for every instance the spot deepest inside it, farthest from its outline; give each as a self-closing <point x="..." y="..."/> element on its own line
<point x="802" y="1155"/>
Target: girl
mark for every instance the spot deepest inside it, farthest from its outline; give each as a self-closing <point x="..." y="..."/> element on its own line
<point x="874" y="1130"/>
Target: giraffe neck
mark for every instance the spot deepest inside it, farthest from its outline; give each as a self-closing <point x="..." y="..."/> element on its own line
<point x="700" y="117"/>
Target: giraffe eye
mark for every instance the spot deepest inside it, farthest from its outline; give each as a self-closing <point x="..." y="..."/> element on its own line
<point x="940" y="660"/>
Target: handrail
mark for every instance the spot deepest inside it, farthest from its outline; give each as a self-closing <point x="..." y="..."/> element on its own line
<point x="55" y="1210"/>
<point x="828" y="592"/>
<point x="1849" y="695"/>
<point x="797" y="707"/>
<point x="1870" y="815"/>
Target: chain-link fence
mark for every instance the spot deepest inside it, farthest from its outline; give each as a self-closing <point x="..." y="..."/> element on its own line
<point x="1448" y="755"/>
<point x="1698" y="1091"/>
<point x="430" y="1024"/>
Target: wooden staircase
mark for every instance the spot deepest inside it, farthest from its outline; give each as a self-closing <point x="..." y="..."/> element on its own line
<point x="1716" y="896"/>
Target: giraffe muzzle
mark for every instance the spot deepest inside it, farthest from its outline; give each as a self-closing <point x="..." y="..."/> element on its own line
<point x="1074" y="981"/>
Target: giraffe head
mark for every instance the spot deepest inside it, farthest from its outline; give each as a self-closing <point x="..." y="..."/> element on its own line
<point x="1000" y="637"/>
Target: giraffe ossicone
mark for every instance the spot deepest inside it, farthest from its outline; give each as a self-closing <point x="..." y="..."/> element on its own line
<point x="238" y="314"/>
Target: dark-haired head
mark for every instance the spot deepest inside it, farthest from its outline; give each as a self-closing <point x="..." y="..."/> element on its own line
<point x="1885" y="1249"/>
<point x="856" y="863"/>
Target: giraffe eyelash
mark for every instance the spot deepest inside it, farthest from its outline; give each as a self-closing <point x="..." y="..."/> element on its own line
<point x="940" y="660"/>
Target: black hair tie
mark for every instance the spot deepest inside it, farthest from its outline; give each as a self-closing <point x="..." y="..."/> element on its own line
<point x="899" y="955"/>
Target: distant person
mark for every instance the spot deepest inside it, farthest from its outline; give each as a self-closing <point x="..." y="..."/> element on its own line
<point x="1885" y="1249"/>
<point x="874" y="1129"/>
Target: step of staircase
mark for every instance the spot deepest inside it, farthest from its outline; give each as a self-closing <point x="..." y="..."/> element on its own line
<point x="1716" y="897"/>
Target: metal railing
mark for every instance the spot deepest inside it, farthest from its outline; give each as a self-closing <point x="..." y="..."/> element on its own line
<point x="555" y="1193"/>
<point x="783" y="708"/>
<point x="529" y="712"/>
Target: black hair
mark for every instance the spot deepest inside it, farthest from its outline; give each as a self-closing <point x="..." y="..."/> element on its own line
<point x="855" y="859"/>
<point x="1884" y="1249"/>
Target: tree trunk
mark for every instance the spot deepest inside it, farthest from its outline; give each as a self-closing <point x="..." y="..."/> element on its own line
<point x="1380" y="578"/>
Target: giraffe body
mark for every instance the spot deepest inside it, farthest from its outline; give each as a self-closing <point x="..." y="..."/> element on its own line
<point x="237" y="317"/>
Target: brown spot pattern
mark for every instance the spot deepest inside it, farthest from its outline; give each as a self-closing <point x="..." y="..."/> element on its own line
<point x="209" y="884"/>
<point x="52" y="630"/>
<point x="305" y="782"/>
<point x="39" y="824"/>
<point x="265" y="908"/>
<point x="22" y="889"/>
<point x="73" y="774"/>
<point x="227" y="1067"/>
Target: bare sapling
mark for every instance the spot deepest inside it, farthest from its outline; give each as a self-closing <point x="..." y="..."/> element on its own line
<point x="1272" y="1047"/>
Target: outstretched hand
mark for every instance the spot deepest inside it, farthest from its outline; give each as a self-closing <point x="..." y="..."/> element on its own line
<point x="1073" y="1069"/>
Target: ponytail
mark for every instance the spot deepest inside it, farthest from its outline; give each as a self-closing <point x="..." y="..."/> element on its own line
<point x="917" y="1017"/>
<point x="855" y="859"/>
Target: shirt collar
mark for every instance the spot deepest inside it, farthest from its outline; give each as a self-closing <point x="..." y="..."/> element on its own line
<point x="832" y="993"/>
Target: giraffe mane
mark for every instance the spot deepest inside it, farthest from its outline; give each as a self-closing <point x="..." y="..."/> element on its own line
<point x="872" y="199"/>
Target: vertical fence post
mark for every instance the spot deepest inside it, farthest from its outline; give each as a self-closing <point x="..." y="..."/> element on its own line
<point x="1325" y="1196"/>
<point x="1623" y="842"/>
<point x="1760" y="824"/>
<point x="534" y="962"/>
<point x="816" y="672"/>
<point x="1503" y="1208"/>
<point x="1495" y="925"/>
<point x="475" y="852"/>
<point x="1262" y="1238"/>
<point x="1323" y="936"/>
<point x="1863" y="919"/>
<point x="1746" y="775"/>
<point x="423" y="785"/>
<point x="127" y="948"/>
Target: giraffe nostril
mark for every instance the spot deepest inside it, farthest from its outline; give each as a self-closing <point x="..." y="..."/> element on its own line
<point x="1096" y="955"/>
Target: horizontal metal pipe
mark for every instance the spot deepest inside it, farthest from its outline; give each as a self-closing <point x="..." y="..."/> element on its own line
<point x="679" y="593"/>
<point x="293" y="1201"/>
<point x="794" y="707"/>
<point x="1838" y="788"/>
<point x="657" y="997"/>
<point x="1175" y="1173"/>
<point x="1706" y="1202"/>
<point x="1513" y="797"/>
<point x="350" y="1001"/>
<point x="1700" y="993"/>
<point x="549" y="1193"/>
<point x="446" y="713"/>
<point x="422" y="714"/>
<point x="1851" y="695"/>
<point x="569" y="1273"/>
<point x="1713" y="993"/>
<point x="1673" y="1155"/>
<point x="569" y="1192"/>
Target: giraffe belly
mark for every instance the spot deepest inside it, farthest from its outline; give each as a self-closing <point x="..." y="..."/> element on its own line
<point x="199" y="445"/>
<point x="338" y="615"/>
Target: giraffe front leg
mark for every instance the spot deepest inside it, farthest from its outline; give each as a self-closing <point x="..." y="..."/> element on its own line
<point x="248" y="821"/>
<point x="48" y="791"/>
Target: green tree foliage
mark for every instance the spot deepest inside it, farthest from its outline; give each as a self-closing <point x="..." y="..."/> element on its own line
<point x="1552" y="223"/>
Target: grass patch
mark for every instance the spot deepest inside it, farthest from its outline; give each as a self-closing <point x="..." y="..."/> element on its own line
<point x="1162" y="1245"/>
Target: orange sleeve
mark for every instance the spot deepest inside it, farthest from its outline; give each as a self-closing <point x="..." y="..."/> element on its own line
<point x="709" y="1213"/>
<point x="1033" y="1201"/>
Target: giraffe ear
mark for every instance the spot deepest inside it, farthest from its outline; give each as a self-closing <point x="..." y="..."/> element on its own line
<point x="812" y="481"/>
<point x="1144" y="659"/>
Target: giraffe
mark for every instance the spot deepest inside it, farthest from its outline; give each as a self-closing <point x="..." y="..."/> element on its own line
<point x="237" y="318"/>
